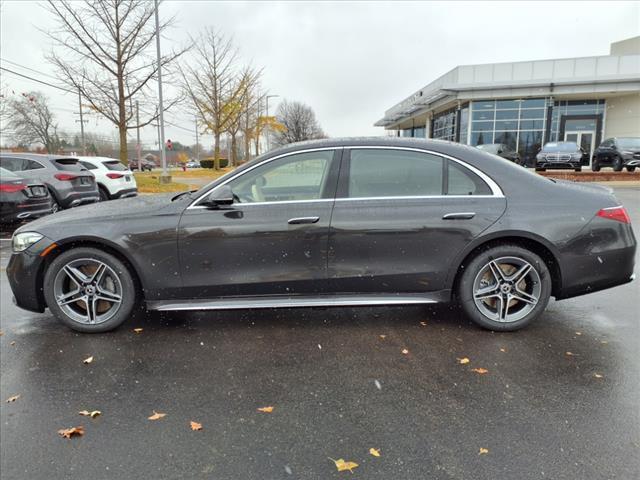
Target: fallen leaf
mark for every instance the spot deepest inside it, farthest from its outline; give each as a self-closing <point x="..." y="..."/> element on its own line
<point x="483" y="451"/>
<point x="265" y="409"/>
<point x="568" y="354"/>
<point x="137" y="330"/>
<point x="578" y="333"/>
<point x="196" y="425"/>
<point x="88" y="360"/>
<point x="13" y="343"/>
<point x="597" y="375"/>
<point x="341" y="465"/>
<point x="424" y="324"/>
<point x="604" y="342"/>
<point x="1" y="333"/>
<point x="503" y="350"/>
<point x="481" y="371"/>
<point x="70" y="432"/>
<point x="463" y="360"/>
<point x="375" y="452"/>
<point x="92" y="414"/>
<point x="13" y="398"/>
<point x="383" y="336"/>
<point x="405" y="351"/>
<point x="156" y="415"/>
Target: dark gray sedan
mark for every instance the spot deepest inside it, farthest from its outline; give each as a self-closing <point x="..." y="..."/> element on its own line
<point x="332" y="223"/>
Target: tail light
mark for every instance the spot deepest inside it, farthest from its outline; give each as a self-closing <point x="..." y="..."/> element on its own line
<point x="12" y="187"/>
<point x="65" y="176"/>
<point x="618" y="214"/>
<point x="115" y="175"/>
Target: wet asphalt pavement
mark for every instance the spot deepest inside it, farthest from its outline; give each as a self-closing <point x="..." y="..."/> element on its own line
<point x="560" y="399"/>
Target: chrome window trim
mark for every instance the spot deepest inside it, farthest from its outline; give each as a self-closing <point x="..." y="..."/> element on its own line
<point x="495" y="188"/>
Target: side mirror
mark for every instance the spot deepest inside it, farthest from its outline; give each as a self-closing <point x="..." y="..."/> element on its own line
<point x="220" y="196"/>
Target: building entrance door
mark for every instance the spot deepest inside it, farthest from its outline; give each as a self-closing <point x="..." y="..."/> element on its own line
<point x="586" y="140"/>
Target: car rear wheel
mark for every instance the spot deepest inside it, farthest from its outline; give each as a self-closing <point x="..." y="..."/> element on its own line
<point x="540" y="169"/>
<point x="578" y="169"/>
<point x="504" y="288"/>
<point x="89" y="290"/>
<point x="618" y="164"/>
<point x="104" y="195"/>
<point x="595" y="165"/>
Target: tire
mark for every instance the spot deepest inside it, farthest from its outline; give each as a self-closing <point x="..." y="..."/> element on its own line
<point x="540" y="169"/>
<point x="104" y="194"/>
<point x="631" y="169"/>
<point x="595" y="165"/>
<point x="114" y="282"/>
<point x="617" y="164"/>
<point x="55" y="205"/>
<point x="577" y="169"/>
<point x="478" y="274"/>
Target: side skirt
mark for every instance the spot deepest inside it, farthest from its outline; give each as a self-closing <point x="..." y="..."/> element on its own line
<point x="237" y="303"/>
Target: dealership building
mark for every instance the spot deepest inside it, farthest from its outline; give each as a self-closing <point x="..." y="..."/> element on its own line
<point x="526" y="104"/>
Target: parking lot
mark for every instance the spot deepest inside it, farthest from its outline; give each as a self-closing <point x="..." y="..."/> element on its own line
<point x="557" y="400"/>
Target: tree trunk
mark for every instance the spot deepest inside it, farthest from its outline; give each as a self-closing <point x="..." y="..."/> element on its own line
<point x="216" y="150"/>
<point x="233" y="156"/>
<point x="247" y="148"/>
<point x="122" y="131"/>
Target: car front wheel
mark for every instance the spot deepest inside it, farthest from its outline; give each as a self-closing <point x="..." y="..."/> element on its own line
<point x="503" y="288"/>
<point x="631" y="168"/>
<point x="618" y="164"/>
<point x="89" y="290"/>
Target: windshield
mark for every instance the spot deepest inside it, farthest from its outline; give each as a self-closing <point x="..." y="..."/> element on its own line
<point x="114" y="165"/>
<point x="490" y="147"/>
<point x="629" y="142"/>
<point x="561" y="147"/>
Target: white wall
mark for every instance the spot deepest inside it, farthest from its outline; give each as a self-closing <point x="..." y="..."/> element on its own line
<point x="623" y="116"/>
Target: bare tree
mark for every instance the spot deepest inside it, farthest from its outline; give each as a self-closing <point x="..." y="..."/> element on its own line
<point x="33" y="121"/>
<point x="299" y="122"/>
<point x="107" y="55"/>
<point x="210" y="82"/>
<point x="244" y="92"/>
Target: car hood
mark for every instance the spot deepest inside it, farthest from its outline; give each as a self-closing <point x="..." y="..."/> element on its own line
<point x="128" y="209"/>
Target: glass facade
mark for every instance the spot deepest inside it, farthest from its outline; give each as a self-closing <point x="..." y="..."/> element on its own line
<point x="521" y="124"/>
<point x="518" y="124"/>
<point x="443" y="125"/>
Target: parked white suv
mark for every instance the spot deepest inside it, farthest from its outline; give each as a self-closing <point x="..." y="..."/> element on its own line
<point x="113" y="178"/>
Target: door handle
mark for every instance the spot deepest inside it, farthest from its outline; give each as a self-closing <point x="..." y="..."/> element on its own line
<point x="302" y="220"/>
<point x="459" y="216"/>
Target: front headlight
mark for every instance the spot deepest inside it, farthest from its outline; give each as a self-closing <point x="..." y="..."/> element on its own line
<point x="22" y="241"/>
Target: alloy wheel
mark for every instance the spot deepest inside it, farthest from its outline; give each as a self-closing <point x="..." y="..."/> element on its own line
<point x="506" y="289"/>
<point x="88" y="291"/>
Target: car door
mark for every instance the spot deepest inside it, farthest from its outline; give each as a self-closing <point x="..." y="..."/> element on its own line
<point x="272" y="240"/>
<point x="401" y="216"/>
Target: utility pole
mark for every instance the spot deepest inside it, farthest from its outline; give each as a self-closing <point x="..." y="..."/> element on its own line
<point x="138" y="134"/>
<point x="84" y="145"/>
<point x="268" y="129"/>
<point x="197" y="144"/>
<point x="164" y="176"/>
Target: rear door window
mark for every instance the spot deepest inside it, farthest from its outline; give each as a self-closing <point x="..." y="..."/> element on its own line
<point x="69" y="164"/>
<point x="12" y="164"/>
<point x="394" y="173"/>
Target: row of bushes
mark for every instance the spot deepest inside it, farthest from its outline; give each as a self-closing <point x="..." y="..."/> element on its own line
<point x="211" y="163"/>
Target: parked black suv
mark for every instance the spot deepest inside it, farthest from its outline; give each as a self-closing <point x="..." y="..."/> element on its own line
<point x="619" y="153"/>
<point x="502" y="150"/>
<point x="69" y="183"/>
<point x="561" y="155"/>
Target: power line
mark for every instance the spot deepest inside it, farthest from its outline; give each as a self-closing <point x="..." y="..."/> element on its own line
<point x="35" y="79"/>
<point x="28" y="68"/>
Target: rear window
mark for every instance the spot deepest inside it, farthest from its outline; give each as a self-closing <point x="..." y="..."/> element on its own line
<point x="114" y="165"/>
<point x="69" y="164"/>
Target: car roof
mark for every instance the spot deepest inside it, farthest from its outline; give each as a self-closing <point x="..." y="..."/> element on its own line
<point x="36" y="156"/>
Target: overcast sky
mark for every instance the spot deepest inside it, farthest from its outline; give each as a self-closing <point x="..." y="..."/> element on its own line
<point x="350" y="61"/>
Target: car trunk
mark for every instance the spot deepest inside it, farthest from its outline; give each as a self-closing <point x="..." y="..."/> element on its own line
<point x="74" y="172"/>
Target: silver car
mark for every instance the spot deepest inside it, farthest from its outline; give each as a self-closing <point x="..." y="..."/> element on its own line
<point x="68" y="181"/>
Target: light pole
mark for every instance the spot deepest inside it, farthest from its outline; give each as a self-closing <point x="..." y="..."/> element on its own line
<point x="164" y="176"/>
<point x="268" y="121"/>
